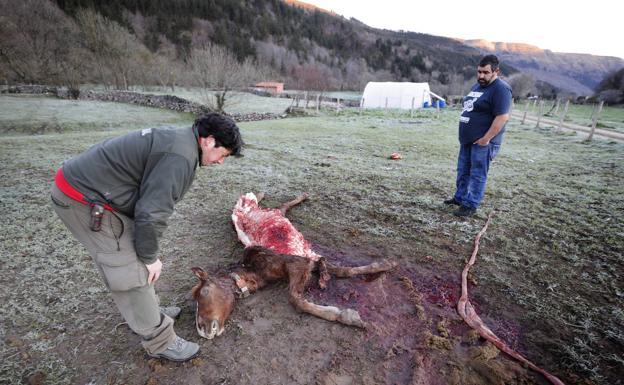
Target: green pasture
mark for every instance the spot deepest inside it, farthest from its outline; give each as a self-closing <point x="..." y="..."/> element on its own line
<point x="554" y="253"/>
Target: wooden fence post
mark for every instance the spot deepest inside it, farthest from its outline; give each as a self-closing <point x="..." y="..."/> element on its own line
<point x="563" y="115"/>
<point x="595" y="121"/>
<point x="338" y="105"/>
<point x="305" y="106"/>
<point x="556" y="107"/>
<point x="412" y="110"/>
<point x="318" y="102"/>
<point x="386" y="105"/>
<point x="526" y="109"/>
<point x="361" y="105"/>
<point x="539" y="116"/>
<point x="591" y="117"/>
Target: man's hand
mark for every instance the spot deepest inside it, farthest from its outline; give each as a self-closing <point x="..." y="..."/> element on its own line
<point x="497" y="125"/>
<point x="482" y="141"/>
<point x="154" y="270"/>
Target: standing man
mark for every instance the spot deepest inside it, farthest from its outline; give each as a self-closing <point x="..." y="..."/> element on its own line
<point x="481" y="127"/>
<point x="116" y="199"/>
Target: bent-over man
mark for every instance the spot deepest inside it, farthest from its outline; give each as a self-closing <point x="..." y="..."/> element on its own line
<point x="116" y="198"/>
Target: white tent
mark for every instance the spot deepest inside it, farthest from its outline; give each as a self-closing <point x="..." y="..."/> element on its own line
<point x="403" y="95"/>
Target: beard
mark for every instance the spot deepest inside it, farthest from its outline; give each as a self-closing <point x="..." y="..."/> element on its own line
<point x="483" y="82"/>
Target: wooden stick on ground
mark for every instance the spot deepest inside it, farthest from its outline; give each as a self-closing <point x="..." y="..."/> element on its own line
<point x="468" y="313"/>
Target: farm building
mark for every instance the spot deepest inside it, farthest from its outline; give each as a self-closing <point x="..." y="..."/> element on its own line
<point x="271" y="87"/>
<point x="404" y="95"/>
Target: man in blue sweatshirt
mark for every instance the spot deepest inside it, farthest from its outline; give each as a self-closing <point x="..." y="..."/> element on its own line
<point x="481" y="127"/>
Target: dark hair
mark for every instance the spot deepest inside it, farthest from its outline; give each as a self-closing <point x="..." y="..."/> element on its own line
<point x="492" y="60"/>
<point x="223" y="129"/>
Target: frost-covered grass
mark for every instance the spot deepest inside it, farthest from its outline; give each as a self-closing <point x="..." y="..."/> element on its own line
<point x="236" y="102"/>
<point x="25" y="114"/>
<point x="351" y="95"/>
<point x="245" y="102"/>
<point x="552" y="260"/>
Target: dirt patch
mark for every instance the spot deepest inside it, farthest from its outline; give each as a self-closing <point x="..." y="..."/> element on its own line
<point x="414" y="337"/>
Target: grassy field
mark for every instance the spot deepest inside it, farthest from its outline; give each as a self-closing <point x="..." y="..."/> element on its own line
<point x="236" y="102"/>
<point x="611" y="118"/>
<point x="27" y="114"/>
<point x="551" y="264"/>
<point x="245" y="102"/>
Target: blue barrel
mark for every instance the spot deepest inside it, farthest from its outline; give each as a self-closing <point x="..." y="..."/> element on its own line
<point x="426" y="105"/>
<point x="442" y="104"/>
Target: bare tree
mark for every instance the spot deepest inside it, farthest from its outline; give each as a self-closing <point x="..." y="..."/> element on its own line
<point x="611" y="96"/>
<point x="38" y="43"/>
<point x="356" y="71"/>
<point x="214" y="68"/>
<point x="521" y="84"/>
<point x="166" y="69"/>
<point x="313" y="77"/>
<point x="456" y="84"/>
<point x="119" y="57"/>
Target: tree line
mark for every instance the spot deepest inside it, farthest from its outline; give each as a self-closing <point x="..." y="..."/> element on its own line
<point x="121" y="43"/>
<point x="611" y="89"/>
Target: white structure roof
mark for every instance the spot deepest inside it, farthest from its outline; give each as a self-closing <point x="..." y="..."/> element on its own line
<point x="403" y="95"/>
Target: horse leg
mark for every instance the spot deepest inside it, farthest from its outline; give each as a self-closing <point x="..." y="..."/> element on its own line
<point x="288" y="205"/>
<point x="324" y="276"/>
<point x="298" y="275"/>
<point x="376" y="267"/>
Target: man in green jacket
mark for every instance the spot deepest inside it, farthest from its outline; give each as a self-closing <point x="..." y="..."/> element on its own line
<point x="116" y="198"/>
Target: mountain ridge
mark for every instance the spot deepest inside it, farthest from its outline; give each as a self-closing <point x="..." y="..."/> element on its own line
<point x="576" y="72"/>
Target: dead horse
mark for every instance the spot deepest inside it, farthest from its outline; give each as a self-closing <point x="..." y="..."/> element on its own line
<point x="275" y="251"/>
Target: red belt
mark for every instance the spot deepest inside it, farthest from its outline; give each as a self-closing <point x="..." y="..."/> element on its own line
<point x="71" y="192"/>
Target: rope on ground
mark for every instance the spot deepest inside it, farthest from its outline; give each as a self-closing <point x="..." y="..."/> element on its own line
<point x="468" y="313"/>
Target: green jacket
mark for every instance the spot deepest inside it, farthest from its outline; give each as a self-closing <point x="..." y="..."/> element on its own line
<point x="142" y="175"/>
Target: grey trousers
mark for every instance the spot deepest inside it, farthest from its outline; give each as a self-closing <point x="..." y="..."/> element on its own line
<point x="112" y="250"/>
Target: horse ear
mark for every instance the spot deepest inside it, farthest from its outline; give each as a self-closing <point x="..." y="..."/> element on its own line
<point x="200" y="273"/>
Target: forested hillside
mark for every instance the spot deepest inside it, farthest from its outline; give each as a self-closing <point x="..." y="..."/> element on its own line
<point x="224" y="44"/>
<point x="125" y="42"/>
<point x="287" y="37"/>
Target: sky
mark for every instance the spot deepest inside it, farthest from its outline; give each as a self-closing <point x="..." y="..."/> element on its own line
<point x="594" y="26"/>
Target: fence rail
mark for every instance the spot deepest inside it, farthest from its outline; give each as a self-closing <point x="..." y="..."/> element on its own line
<point x="534" y="111"/>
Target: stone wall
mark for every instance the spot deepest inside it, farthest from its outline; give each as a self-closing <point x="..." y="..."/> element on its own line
<point x="169" y="102"/>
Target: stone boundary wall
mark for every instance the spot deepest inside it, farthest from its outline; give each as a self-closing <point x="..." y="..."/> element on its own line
<point x="169" y="102"/>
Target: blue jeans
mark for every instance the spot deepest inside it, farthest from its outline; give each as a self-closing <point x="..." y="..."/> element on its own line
<point x="473" y="164"/>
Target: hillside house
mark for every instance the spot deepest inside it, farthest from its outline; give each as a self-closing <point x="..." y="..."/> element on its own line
<point x="270" y="87"/>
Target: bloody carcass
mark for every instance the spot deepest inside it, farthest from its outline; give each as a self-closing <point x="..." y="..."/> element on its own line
<point x="275" y="250"/>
